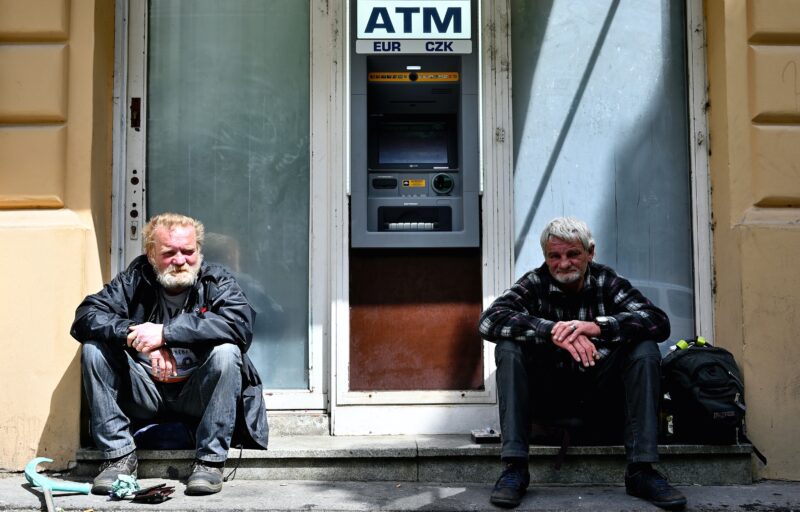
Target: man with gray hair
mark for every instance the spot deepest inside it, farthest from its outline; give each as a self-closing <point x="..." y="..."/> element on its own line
<point x="170" y="335"/>
<point x="575" y="341"/>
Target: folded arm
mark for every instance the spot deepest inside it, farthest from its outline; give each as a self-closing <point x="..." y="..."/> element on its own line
<point x="633" y="318"/>
<point x="510" y="318"/>
<point x="103" y="316"/>
<point x="226" y="318"/>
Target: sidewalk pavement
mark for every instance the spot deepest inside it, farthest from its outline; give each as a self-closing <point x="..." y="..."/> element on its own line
<point x="284" y="495"/>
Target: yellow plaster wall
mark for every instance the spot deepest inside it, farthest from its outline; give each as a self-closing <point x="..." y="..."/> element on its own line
<point x="56" y="62"/>
<point x="39" y="378"/>
<point x="754" y="92"/>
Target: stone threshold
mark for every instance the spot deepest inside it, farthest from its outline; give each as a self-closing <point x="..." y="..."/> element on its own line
<point x="439" y="458"/>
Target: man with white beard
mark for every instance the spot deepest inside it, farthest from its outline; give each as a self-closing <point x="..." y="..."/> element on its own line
<point x="170" y="335"/>
<point x="577" y="343"/>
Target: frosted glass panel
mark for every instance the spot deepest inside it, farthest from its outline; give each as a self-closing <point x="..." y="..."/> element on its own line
<point x="601" y="132"/>
<point x="227" y="142"/>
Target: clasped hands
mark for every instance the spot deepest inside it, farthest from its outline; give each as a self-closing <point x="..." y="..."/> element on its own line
<point x="148" y="338"/>
<point x="573" y="336"/>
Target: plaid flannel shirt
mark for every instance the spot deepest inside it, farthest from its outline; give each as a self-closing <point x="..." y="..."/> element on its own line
<point x="528" y="311"/>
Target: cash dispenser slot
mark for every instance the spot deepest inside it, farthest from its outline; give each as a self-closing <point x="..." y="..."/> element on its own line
<point x="420" y="218"/>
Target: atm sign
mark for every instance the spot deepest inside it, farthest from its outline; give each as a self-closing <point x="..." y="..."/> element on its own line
<point x="414" y="19"/>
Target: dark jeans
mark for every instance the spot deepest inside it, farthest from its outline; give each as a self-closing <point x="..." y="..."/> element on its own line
<point x="119" y="388"/>
<point x="541" y="382"/>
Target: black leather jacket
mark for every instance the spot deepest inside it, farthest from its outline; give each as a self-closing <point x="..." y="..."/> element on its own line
<point x="218" y="312"/>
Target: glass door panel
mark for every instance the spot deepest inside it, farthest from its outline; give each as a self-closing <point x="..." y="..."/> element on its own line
<point x="227" y="142"/>
<point x="601" y="132"/>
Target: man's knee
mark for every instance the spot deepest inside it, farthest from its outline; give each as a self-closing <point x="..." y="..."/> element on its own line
<point x="508" y="352"/>
<point x="223" y="358"/>
<point x="512" y="371"/>
<point x="643" y="362"/>
<point x="94" y="353"/>
<point x="645" y="350"/>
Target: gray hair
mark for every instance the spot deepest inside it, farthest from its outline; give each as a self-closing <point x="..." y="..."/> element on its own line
<point x="168" y="221"/>
<point x="569" y="229"/>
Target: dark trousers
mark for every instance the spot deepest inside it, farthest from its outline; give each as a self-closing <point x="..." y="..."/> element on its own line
<point x="119" y="388"/>
<point x="541" y="382"/>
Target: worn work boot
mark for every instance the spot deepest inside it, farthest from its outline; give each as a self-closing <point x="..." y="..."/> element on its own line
<point x="111" y="469"/>
<point x="206" y="478"/>
<point x="512" y="484"/>
<point x="650" y="485"/>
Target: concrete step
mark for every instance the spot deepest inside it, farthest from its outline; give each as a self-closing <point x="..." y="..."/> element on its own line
<point x="441" y="458"/>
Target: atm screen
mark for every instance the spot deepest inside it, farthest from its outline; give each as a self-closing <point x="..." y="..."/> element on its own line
<point x="414" y="143"/>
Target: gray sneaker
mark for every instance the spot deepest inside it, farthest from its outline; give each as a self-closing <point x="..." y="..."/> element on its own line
<point x="110" y="471"/>
<point x="206" y="478"/>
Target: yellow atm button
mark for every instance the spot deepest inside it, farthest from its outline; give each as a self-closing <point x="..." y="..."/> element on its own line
<point x="438" y="76"/>
<point x="414" y="183"/>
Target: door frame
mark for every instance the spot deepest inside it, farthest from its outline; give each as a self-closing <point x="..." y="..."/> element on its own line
<point x="702" y="222"/>
<point x="329" y="219"/>
<point x="442" y="411"/>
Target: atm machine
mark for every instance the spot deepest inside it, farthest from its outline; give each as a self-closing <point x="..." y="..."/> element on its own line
<point x="414" y="153"/>
<point x="415" y="267"/>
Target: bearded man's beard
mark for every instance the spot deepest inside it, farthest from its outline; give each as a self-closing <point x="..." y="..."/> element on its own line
<point x="568" y="277"/>
<point x="176" y="278"/>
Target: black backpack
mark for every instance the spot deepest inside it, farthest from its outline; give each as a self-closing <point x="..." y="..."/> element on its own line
<point x="706" y="395"/>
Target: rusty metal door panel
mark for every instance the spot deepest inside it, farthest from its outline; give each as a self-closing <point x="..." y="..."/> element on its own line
<point x="413" y="320"/>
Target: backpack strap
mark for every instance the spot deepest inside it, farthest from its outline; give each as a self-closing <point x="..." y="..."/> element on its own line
<point x="743" y="438"/>
<point x="562" y="451"/>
